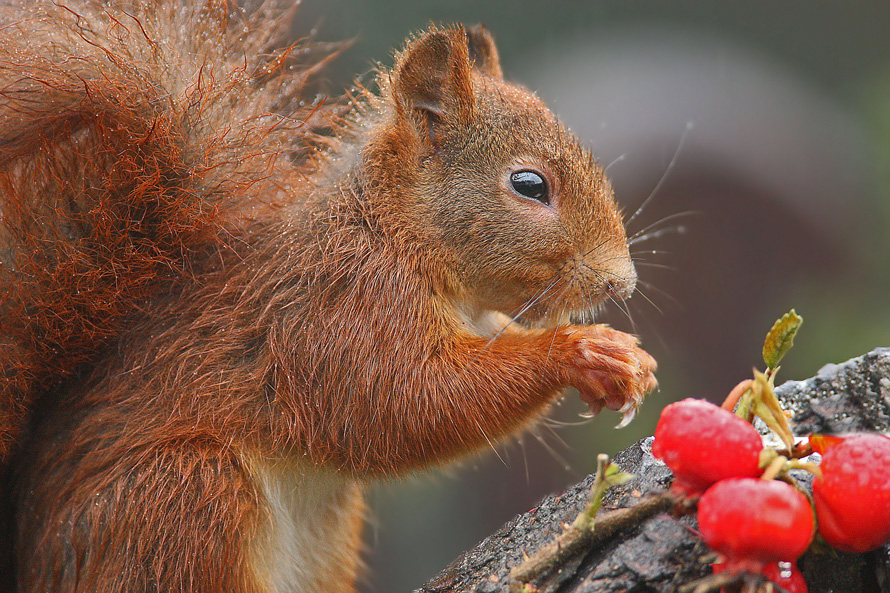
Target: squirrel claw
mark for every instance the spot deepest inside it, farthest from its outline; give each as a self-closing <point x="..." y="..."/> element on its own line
<point x="629" y="406"/>
<point x="594" y="407"/>
<point x="612" y="372"/>
<point x="627" y="417"/>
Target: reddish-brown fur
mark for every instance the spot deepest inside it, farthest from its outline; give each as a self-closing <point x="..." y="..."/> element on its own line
<point x="201" y="283"/>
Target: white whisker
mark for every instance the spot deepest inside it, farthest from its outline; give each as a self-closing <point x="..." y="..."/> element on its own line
<point x="651" y="231"/>
<point x="654" y="288"/>
<point x="614" y="161"/>
<point x="531" y="303"/>
<point x="647" y="264"/>
<point x="665" y="175"/>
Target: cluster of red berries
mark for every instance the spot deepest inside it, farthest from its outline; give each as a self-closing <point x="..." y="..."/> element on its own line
<point x="756" y="524"/>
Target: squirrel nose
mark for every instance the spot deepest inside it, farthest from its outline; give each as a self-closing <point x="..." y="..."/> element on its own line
<point x="622" y="282"/>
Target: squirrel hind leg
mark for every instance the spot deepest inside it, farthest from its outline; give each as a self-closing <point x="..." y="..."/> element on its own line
<point x="172" y="516"/>
<point x="208" y="519"/>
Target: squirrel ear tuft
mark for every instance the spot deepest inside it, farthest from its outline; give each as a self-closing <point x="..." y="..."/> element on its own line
<point x="483" y="52"/>
<point x="432" y="74"/>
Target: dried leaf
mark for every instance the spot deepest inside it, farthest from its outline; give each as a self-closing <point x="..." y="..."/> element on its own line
<point x="768" y="409"/>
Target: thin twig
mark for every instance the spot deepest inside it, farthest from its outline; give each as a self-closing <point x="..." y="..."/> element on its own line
<point x="585" y="532"/>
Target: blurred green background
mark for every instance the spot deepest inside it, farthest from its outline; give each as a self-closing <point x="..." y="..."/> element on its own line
<point x="776" y="118"/>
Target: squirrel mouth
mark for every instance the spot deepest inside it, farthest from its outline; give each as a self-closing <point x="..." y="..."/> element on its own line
<point x="556" y="317"/>
<point x="576" y="299"/>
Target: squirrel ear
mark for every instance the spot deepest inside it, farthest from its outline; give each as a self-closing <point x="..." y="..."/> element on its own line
<point x="483" y="52"/>
<point x="433" y="75"/>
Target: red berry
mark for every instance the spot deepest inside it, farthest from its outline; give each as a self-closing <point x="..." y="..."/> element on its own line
<point x="788" y="577"/>
<point x="852" y="497"/>
<point x="755" y="522"/>
<point x="703" y="443"/>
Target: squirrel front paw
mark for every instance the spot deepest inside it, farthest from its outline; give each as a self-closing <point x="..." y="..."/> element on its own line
<point x="610" y="370"/>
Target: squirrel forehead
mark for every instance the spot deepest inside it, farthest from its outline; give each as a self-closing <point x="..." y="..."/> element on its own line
<point x="496" y="96"/>
<point x="527" y="125"/>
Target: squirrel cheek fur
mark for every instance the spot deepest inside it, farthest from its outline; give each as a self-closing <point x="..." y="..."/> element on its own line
<point x="317" y="315"/>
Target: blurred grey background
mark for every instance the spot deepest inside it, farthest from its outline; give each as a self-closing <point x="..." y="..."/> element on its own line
<point x="757" y="133"/>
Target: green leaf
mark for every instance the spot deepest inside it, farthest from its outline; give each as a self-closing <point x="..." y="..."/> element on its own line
<point x="617" y="477"/>
<point x="780" y="338"/>
<point x="607" y="475"/>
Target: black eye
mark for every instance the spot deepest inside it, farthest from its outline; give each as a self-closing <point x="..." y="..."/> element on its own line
<point x="531" y="185"/>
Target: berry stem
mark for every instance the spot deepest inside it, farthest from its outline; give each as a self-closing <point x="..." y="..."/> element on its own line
<point x="774" y="468"/>
<point x="737" y="392"/>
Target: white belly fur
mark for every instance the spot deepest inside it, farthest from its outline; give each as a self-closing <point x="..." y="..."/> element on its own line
<point x="309" y="536"/>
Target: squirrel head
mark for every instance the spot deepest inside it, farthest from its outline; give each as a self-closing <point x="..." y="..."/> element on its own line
<point x="497" y="194"/>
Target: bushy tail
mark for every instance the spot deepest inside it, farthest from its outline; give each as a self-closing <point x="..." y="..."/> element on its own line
<point x="133" y="136"/>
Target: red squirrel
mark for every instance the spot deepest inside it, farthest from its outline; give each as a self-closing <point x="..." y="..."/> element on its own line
<point x="225" y="311"/>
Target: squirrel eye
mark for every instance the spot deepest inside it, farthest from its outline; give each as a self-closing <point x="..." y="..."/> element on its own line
<point x="531" y="185"/>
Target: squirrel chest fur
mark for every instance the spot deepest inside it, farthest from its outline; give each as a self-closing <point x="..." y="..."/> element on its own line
<point x="223" y="310"/>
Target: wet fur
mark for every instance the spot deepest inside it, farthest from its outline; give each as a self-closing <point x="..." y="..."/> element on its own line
<point x="219" y="304"/>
